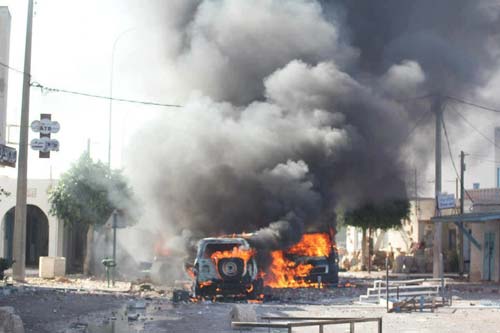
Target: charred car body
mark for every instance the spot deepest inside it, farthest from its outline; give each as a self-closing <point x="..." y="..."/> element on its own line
<point x="226" y="266"/>
<point x="324" y="269"/>
<point x="318" y="250"/>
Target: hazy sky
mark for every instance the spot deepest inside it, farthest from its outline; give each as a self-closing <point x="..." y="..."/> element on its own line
<point x="72" y="47"/>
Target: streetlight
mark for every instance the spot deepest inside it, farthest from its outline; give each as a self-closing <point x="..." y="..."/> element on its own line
<point x="117" y="39"/>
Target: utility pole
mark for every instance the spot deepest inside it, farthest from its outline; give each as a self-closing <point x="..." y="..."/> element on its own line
<point x="115" y="225"/>
<point x="417" y="208"/>
<point x="437" y="108"/>
<point x="460" y="237"/>
<point x="19" y="248"/>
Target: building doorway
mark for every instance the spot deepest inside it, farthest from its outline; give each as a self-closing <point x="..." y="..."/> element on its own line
<point x="37" y="234"/>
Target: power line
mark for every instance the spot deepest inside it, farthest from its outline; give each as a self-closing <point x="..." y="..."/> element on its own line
<point x="479" y="156"/>
<point x="452" y="160"/>
<point x="37" y="85"/>
<point x="483" y="160"/>
<point x="479" y="106"/>
<point x="449" y="148"/>
<point x="12" y="68"/>
<point x="50" y="89"/>
<point x="71" y="92"/>
<point x="417" y="124"/>
<point x="475" y="129"/>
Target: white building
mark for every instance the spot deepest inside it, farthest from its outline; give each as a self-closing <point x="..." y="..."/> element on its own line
<point x="497" y="157"/>
<point x="4" y="72"/>
<point x="44" y="233"/>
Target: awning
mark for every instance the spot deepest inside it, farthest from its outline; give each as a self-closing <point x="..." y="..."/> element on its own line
<point x="468" y="217"/>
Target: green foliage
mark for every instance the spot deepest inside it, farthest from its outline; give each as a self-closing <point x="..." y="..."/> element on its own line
<point x="4" y="265"/>
<point x="88" y="193"/>
<point x="384" y="216"/>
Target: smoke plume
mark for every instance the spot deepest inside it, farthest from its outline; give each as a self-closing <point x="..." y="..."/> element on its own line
<point x="292" y="108"/>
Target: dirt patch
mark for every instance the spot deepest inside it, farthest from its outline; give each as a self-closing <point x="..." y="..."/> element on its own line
<point x="42" y="309"/>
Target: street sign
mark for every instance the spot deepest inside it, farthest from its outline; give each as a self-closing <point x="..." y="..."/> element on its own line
<point x="53" y="145"/>
<point x="38" y="144"/>
<point x="8" y="156"/>
<point x="45" y="126"/>
<point x="45" y="144"/>
<point x="446" y="201"/>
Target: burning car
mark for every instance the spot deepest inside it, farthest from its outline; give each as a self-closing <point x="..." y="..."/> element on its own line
<point x="226" y="266"/>
<point x="312" y="262"/>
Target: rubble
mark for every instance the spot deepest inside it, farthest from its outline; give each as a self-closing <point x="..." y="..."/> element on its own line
<point x="327" y="295"/>
<point x="53" y="305"/>
<point x="78" y="282"/>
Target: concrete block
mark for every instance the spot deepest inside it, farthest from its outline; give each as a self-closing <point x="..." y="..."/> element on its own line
<point x="51" y="267"/>
<point x="10" y="321"/>
<point x="242" y="313"/>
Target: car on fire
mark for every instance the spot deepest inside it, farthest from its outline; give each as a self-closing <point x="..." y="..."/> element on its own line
<point x="318" y="251"/>
<point x="324" y="271"/>
<point x="227" y="267"/>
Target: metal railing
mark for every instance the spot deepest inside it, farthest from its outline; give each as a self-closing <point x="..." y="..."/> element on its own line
<point x="295" y="322"/>
<point x="402" y="289"/>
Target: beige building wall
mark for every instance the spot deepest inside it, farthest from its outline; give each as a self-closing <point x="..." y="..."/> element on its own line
<point x="477" y="256"/>
<point x="412" y="230"/>
<point x="37" y="196"/>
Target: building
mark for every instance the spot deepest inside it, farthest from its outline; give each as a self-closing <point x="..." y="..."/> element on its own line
<point x="4" y="72"/>
<point x="414" y="238"/>
<point x="44" y="233"/>
<point x="481" y="230"/>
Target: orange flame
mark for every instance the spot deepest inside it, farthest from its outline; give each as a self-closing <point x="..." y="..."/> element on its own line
<point x="312" y="245"/>
<point x="161" y="249"/>
<point x="286" y="273"/>
<point x="236" y="252"/>
<point x="205" y="284"/>
<point x="190" y="272"/>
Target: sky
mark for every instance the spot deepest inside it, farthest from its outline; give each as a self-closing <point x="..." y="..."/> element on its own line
<point x="72" y="49"/>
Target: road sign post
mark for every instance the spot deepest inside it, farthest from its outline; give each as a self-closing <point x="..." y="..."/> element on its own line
<point x="45" y="126"/>
<point x="446" y="201"/>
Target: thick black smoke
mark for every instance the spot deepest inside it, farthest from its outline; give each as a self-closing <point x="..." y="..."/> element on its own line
<point x="455" y="42"/>
<point x="292" y="108"/>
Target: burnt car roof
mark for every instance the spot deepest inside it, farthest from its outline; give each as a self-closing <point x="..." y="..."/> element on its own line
<point x="218" y="240"/>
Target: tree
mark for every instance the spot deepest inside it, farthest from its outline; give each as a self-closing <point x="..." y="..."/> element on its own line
<point x="385" y="215"/>
<point x="87" y="194"/>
